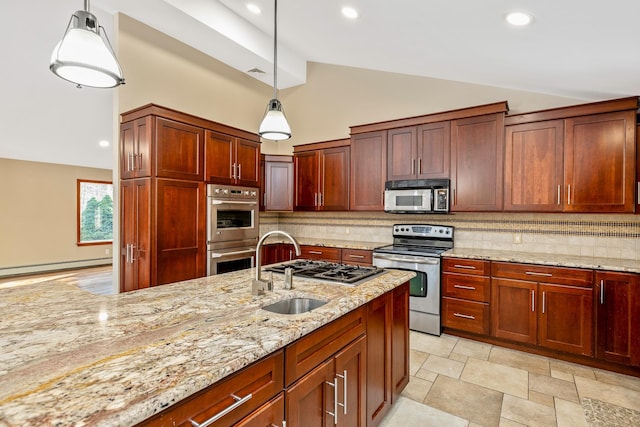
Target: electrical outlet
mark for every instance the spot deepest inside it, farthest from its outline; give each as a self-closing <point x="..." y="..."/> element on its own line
<point x="517" y="238"/>
<point x="107" y="251"/>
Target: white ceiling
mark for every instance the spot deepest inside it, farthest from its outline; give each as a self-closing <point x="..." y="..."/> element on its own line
<point x="575" y="48"/>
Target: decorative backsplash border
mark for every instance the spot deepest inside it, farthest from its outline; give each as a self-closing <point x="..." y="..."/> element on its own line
<point x="597" y="225"/>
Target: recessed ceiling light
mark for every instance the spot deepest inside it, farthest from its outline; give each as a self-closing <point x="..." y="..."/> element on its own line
<point x="519" y="19"/>
<point x="349" y="12"/>
<point x="253" y="8"/>
<point x="104" y="143"/>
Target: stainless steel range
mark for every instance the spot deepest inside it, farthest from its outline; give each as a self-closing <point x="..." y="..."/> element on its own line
<point x="417" y="247"/>
<point x="342" y="273"/>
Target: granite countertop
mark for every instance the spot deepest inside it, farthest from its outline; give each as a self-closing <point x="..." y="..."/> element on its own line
<point x="595" y="263"/>
<point x="73" y="358"/>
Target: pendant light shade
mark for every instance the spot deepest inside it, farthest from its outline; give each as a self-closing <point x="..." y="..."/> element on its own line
<point x="274" y="124"/>
<point x="84" y="55"/>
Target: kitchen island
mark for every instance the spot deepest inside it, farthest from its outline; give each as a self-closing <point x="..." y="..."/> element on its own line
<point x="73" y="358"/>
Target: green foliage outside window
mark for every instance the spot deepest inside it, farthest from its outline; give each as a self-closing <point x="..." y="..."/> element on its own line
<point x="95" y="204"/>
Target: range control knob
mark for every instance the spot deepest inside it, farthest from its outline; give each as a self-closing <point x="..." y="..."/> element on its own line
<point x="253" y="193"/>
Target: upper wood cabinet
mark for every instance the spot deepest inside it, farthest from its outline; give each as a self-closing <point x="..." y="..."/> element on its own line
<point x="419" y="152"/>
<point x="276" y="183"/>
<point x="574" y="159"/>
<point x="477" y="152"/>
<point x="135" y="148"/>
<point x="231" y="160"/>
<point x="322" y="176"/>
<point x="368" y="172"/>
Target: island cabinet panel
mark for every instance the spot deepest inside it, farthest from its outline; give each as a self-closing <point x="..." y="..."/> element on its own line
<point x="551" y="307"/>
<point x="309" y="401"/>
<point x="231" y="160"/>
<point x="400" y="342"/>
<point x="368" y="172"/>
<point x="477" y="156"/>
<point x="253" y="386"/>
<point x="268" y="415"/>
<point x="135" y="148"/>
<point x="600" y="162"/>
<point x="466" y="294"/>
<point x="179" y="150"/>
<point x="617" y="299"/>
<point x="533" y="169"/>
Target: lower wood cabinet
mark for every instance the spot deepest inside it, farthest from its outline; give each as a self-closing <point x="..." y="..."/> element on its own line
<point x="466" y="291"/>
<point x="617" y="299"/>
<point x="322" y="253"/>
<point x="357" y="257"/>
<point x="270" y="414"/>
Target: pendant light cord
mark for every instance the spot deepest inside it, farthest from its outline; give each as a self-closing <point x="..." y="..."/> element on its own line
<point x="275" y="50"/>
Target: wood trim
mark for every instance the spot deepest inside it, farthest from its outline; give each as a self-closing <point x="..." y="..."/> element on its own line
<point x="322" y="145"/>
<point x="480" y="110"/>
<point x="168" y="113"/>
<point x="277" y="158"/>
<point x="630" y="103"/>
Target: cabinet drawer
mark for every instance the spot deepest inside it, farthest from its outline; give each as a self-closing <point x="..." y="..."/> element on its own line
<point x="309" y="351"/>
<point x="544" y="274"/>
<point x="320" y="253"/>
<point x="467" y="316"/>
<point x="262" y="380"/>
<point x="357" y="256"/>
<point x="476" y="288"/>
<point x="466" y="266"/>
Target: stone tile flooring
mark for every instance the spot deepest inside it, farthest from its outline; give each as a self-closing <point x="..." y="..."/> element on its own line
<point x="460" y="382"/>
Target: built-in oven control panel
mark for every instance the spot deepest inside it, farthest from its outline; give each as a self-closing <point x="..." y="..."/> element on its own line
<point x="222" y="192"/>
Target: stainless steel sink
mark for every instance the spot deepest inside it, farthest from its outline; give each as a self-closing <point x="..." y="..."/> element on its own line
<point x="294" y="305"/>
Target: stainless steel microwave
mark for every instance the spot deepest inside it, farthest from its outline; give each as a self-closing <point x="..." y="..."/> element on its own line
<point x="417" y="196"/>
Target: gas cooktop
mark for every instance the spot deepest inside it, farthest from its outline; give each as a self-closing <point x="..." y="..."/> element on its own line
<point x="333" y="272"/>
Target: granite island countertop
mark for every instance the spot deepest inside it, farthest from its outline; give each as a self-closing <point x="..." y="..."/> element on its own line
<point x="76" y="359"/>
<point x="595" y="263"/>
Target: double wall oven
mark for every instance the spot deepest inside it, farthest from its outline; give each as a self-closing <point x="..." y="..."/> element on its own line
<point x="417" y="247"/>
<point x="232" y="228"/>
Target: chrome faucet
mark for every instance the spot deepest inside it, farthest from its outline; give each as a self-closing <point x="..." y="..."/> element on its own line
<point x="258" y="286"/>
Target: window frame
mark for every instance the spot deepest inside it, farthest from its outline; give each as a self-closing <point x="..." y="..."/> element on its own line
<point x="79" y="183"/>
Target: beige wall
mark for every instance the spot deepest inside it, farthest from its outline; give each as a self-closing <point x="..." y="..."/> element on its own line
<point x="163" y="71"/>
<point x="38" y="215"/>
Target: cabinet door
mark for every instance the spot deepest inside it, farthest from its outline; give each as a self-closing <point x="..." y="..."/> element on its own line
<point x="310" y="399"/>
<point x="135" y="226"/>
<point x="135" y="148"/>
<point x="618" y="317"/>
<point x="368" y="171"/>
<point x="247" y="160"/>
<point x="533" y="168"/>
<point x="179" y="150"/>
<point x="379" y="379"/>
<point x="400" y="341"/>
<point x="402" y="154"/>
<point x="565" y="319"/>
<point x="180" y="231"/>
<point x="268" y="415"/>
<point x="477" y="162"/>
<point x="351" y="371"/>
<point x="434" y="150"/>
<point x="599" y="162"/>
<point x="513" y="310"/>
<point x="218" y="158"/>
<point x="334" y="179"/>
<point x="306" y="180"/>
<point x="278" y="183"/>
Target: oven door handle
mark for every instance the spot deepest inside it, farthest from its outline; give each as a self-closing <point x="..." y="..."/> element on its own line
<point x="218" y="255"/>
<point x="232" y="202"/>
<point x="427" y="261"/>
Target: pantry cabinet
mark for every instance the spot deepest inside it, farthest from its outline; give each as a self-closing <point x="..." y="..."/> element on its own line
<point x="321" y="173"/>
<point x="135" y="234"/>
<point x="231" y="160"/>
<point x="368" y="172"/>
<point x="617" y="299"/>
<point x="548" y="306"/>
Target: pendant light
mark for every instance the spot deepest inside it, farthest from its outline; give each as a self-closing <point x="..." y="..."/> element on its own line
<point x="274" y="124"/>
<point x="84" y="55"/>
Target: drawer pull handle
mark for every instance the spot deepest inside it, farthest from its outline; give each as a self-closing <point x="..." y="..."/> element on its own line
<point x="356" y="256"/>
<point x="466" y="267"/>
<point x="238" y="402"/>
<point x="470" y="288"/>
<point x="601" y="291"/>
<point x="315" y="252"/>
<point x="534" y="273"/>
<point x="464" y="316"/>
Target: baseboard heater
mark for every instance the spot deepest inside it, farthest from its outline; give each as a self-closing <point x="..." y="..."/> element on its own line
<point x="53" y="266"/>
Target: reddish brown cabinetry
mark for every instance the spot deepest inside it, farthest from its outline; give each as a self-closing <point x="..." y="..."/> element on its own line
<point x="477" y="154"/>
<point x="277" y="183"/>
<point x="548" y="306"/>
<point x="419" y="152"/>
<point x="135" y="228"/>
<point x="357" y="256"/>
<point x="135" y="148"/>
<point x="617" y="299"/>
<point x="322" y="253"/>
<point x="322" y="176"/>
<point x="231" y="160"/>
<point x="179" y="150"/>
<point x="466" y="293"/>
<point x="368" y="172"/>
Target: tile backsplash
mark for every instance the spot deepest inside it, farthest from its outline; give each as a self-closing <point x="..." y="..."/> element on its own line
<point x="600" y="235"/>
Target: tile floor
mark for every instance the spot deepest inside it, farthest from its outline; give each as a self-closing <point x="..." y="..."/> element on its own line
<point x="459" y="382"/>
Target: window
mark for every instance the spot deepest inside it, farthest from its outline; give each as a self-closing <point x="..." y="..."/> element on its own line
<point x="95" y="212"/>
